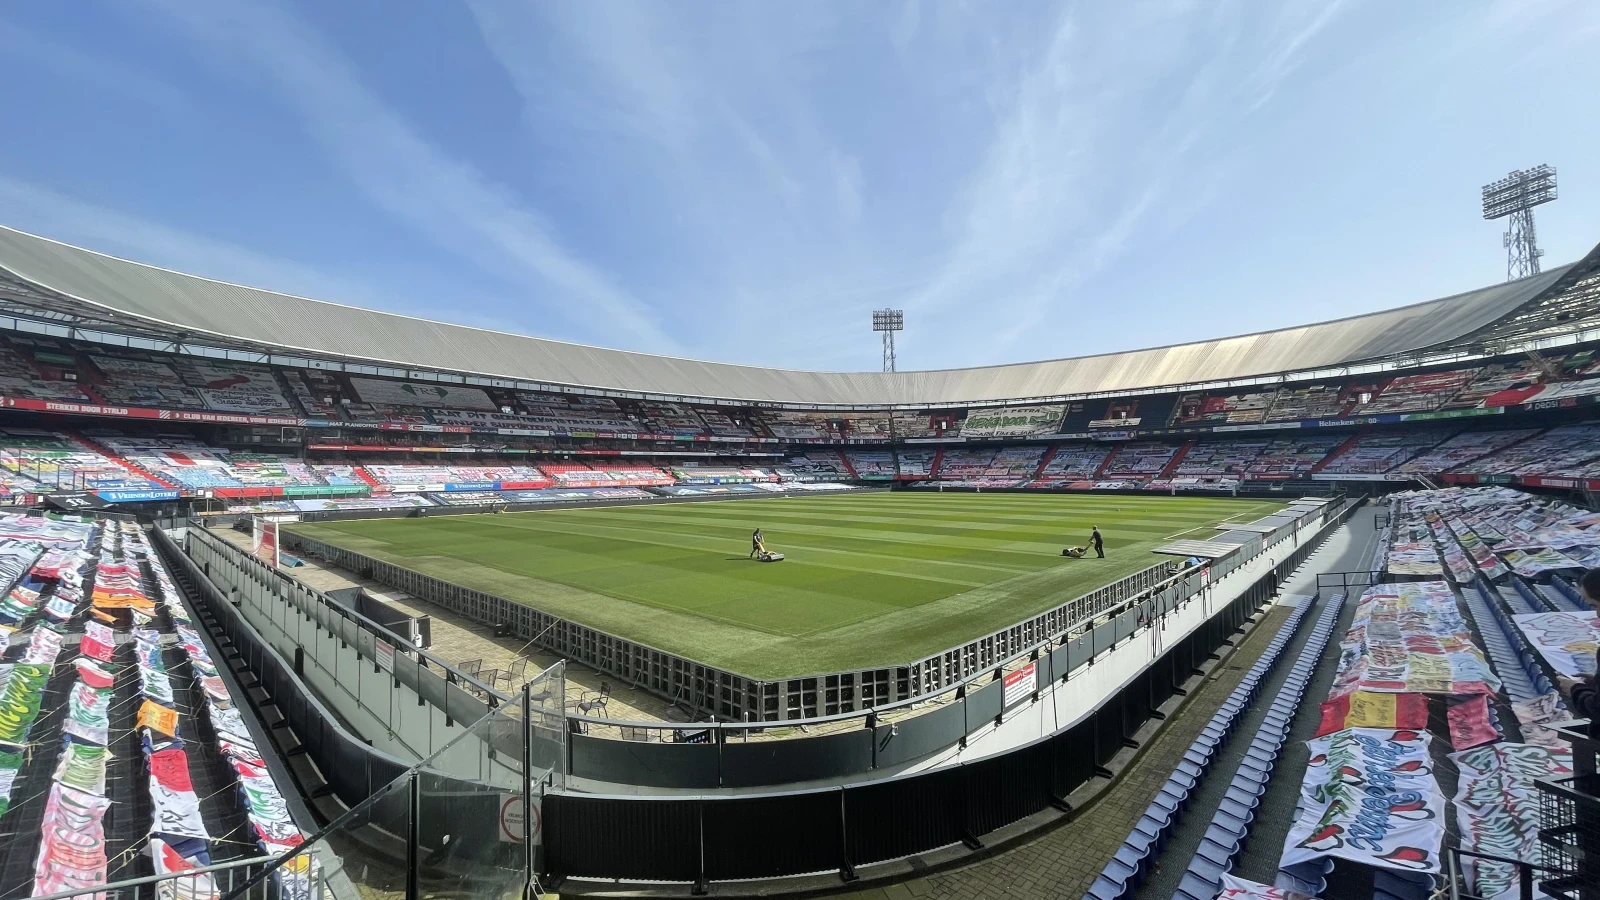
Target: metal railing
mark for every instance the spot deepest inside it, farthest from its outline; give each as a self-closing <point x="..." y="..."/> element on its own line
<point x="233" y="878"/>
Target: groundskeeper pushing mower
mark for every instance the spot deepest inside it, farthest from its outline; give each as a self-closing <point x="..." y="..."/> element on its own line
<point x="759" y="551"/>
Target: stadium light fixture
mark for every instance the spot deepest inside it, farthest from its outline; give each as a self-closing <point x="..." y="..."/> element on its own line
<point x="888" y="321"/>
<point x="1514" y="197"/>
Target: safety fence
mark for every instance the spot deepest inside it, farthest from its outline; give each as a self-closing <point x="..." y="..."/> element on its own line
<point x="709" y="691"/>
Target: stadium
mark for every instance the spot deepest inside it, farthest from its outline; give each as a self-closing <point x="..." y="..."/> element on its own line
<point x="307" y="600"/>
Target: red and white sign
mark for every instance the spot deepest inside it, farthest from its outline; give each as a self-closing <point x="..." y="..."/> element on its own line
<point x="384" y="651"/>
<point x="266" y="541"/>
<point x="512" y="829"/>
<point x="1021" y="684"/>
<point x="137" y="412"/>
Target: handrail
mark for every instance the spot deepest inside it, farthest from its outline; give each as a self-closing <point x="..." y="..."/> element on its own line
<point x="355" y="812"/>
<point x="118" y="886"/>
<point x="400" y="643"/>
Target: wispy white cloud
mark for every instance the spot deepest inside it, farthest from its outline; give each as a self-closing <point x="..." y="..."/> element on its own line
<point x="447" y="199"/>
<point x="103" y="74"/>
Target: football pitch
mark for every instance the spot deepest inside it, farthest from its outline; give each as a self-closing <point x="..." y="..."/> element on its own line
<point x="870" y="579"/>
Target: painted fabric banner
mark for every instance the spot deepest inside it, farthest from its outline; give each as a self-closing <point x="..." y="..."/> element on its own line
<point x="72" y="851"/>
<point x="1533" y="563"/>
<point x="1497" y="809"/>
<point x="1566" y="640"/>
<point x="1469" y="722"/>
<point x="1410" y="638"/>
<point x="1535" y="715"/>
<point x="1016" y="421"/>
<point x="405" y="393"/>
<point x="1234" y="888"/>
<point x="1362" y="709"/>
<point x="1370" y="797"/>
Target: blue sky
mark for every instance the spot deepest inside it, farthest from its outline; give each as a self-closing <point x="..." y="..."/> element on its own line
<point x="745" y="182"/>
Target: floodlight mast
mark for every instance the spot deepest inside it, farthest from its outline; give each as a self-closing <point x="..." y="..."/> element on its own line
<point x="1513" y="198"/>
<point x="888" y="321"/>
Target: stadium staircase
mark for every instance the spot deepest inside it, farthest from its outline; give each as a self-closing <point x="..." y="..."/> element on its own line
<point x="133" y="468"/>
<point x="1049" y="454"/>
<point x="1106" y="463"/>
<point x="844" y="460"/>
<point x="1338" y="451"/>
<point x="1224" y="838"/>
<point x="1128" y="868"/>
<point x="1177" y="459"/>
<point x="938" y="460"/>
<point x="373" y="483"/>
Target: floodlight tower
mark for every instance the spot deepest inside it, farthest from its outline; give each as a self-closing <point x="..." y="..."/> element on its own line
<point x="1514" y="197"/>
<point x="888" y="321"/>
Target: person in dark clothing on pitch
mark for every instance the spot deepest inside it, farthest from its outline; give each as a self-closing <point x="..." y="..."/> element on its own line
<point x="757" y="544"/>
<point x="1098" y="541"/>
<point x="1583" y="694"/>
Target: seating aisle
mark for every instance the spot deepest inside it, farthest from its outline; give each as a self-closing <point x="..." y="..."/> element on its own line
<point x="1167" y="875"/>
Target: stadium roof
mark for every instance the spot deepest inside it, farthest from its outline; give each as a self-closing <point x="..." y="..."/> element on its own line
<point x="72" y="285"/>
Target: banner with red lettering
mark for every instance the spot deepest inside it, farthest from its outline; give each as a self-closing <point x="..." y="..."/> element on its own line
<point x="1369" y="796"/>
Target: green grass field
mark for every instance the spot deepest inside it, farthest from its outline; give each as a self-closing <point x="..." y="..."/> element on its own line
<point x="870" y="579"/>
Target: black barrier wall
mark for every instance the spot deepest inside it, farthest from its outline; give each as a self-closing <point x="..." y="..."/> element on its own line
<point x="717" y="838"/>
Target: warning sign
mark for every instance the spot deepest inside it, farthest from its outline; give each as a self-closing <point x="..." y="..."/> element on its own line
<point x="1021" y="684"/>
<point x="512" y="829"/>
<point x="385" y="653"/>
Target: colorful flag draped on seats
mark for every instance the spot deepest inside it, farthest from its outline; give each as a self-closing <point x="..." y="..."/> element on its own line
<point x="1369" y="796"/>
<point x="1363" y="709"/>
<point x="1567" y="640"/>
<point x="1235" y="888"/>
<point x="1497" y="809"/>
<point x="1410" y="638"/>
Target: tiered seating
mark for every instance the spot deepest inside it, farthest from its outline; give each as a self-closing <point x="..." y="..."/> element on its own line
<point x="1139" y="461"/>
<point x="915" y="463"/>
<point x="1127" y="869"/>
<point x="227" y="386"/>
<point x="414" y="477"/>
<point x="719" y="423"/>
<point x="965" y="465"/>
<point x="1559" y="451"/>
<point x="62" y="463"/>
<point x="1495" y="378"/>
<point x="798" y="426"/>
<point x="1230" y="825"/>
<point x="1072" y="463"/>
<point x="575" y="475"/>
<point x="923" y="425"/>
<point x="318" y="393"/>
<point x="1220" y="457"/>
<point x="1462" y="449"/>
<point x="1317" y="401"/>
<point x="696" y="473"/>
<point x="1238" y="408"/>
<point x="1005" y="467"/>
<point x="866" y="426"/>
<point x="668" y="418"/>
<point x="19" y="379"/>
<point x="818" y="465"/>
<point x="1375" y="454"/>
<point x="1417" y="393"/>
<point x="567" y="413"/>
<point x="1292" y="457"/>
<point x="141" y="379"/>
<point x="872" y="463"/>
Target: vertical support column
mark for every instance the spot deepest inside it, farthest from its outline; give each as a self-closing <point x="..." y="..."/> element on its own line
<point x="414" y="838"/>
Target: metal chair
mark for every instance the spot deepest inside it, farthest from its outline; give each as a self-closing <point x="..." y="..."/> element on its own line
<point x="470" y="666"/>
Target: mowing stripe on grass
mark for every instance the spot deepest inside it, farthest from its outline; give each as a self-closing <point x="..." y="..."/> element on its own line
<point x="871" y="579"/>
